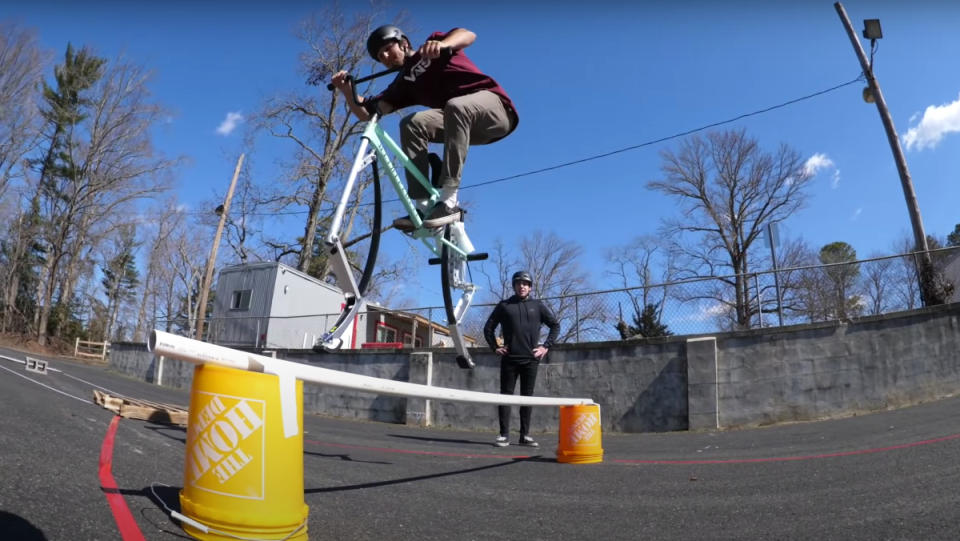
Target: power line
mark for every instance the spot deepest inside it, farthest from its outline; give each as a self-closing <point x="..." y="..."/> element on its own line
<point x="662" y="139"/>
<point x="859" y="78"/>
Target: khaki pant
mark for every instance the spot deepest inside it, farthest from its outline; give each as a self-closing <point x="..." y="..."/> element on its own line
<point x="474" y="119"/>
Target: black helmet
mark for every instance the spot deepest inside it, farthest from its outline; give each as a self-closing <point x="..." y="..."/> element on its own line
<point x="379" y="37"/>
<point x="522" y="276"/>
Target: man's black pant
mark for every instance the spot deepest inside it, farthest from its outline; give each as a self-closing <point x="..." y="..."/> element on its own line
<point x="510" y="370"/>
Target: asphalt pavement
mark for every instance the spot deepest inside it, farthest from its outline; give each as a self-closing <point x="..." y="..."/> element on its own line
<point x="888" y="475"/>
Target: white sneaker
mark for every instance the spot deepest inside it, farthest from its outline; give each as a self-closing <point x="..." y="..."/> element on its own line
<point x="502" y="441"/>
<point x="528" y="441"/>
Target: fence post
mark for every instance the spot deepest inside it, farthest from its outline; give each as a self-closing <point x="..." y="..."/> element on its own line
<point x="576" y="313"/>
<point x="430" y="328"/>
<point x="413" y="331"/>
<point x="756" y="283"/>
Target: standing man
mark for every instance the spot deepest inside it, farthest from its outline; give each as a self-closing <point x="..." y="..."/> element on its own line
<point x="519" y="318"/>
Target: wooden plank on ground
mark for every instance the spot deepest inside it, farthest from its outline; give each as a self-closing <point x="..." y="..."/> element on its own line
<point x="132" y="408"/>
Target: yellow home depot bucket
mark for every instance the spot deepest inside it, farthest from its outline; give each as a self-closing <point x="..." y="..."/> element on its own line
<point x="241" y="476"/>
<point x="580" y="435"/>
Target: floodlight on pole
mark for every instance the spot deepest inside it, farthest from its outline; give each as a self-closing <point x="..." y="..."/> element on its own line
<point x="930" y="293"/>
<point x="871" y="29"/>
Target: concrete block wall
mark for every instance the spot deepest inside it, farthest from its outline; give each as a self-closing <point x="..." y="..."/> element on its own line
<point x="819" y="371"/>
<point x="751" y="378"/>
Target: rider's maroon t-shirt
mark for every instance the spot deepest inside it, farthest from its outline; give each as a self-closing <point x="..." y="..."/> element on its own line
<point x="432" y="82"/>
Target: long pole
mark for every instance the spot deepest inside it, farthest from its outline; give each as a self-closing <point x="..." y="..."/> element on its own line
<point x="927" y="292"/>
<point x="208" y="276"/>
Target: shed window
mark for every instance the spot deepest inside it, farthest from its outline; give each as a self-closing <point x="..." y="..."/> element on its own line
<point x="408" y="338"/>
<point x="386" y="333"/>
<point x="240" y="300"/>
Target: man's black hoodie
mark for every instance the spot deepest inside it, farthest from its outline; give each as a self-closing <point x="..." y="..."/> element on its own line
<point x="520" y="321"/>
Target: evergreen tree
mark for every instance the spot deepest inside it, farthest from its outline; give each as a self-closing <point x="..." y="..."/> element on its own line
<point x="646" y="323"/>
<point x="953" y="239"/>
<point x="120" y="278"/>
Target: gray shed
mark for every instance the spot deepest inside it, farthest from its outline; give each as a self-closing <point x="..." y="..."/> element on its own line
<point x="271" y="305"/>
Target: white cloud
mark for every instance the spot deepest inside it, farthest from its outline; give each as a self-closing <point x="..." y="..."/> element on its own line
<point x="707" y="313"/>
<point x="856" y="214"/>
<point x="230" y="123"/>
<point x="937" y="121"/>
<point x="820" y="162"/>
<point x="816" y="163"/>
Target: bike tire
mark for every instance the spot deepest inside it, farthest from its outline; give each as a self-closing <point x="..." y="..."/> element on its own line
<point x="445" y="272"/>
<point x="370" y="264"/>
<point x="447" y="261"/>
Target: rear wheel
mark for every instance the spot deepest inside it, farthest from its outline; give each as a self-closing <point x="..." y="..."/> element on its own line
<point x="453" y="270"/>
<point x="447" y="263"/>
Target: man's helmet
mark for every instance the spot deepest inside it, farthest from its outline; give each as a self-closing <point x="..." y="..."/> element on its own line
<point x="522" y="276"/>
<point x="381" y="36"/>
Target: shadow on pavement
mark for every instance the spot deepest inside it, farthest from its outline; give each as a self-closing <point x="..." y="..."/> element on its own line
<point x="418" y="477"/>
<point x="16" y="527"/>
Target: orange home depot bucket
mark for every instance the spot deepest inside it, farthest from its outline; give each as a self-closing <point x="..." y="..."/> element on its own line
<point x="241" y="476"/>
<point x="580" y="435"/>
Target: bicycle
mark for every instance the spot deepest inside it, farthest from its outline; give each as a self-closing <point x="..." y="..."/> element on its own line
<point x="449" y="244"/>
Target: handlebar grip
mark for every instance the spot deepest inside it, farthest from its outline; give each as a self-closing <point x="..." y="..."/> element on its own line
<point x="446" y="52"/>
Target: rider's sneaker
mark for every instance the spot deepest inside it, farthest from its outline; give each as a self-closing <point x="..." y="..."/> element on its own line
<point x="404" y="224"/>
<point x="527" y="441"/>
<point x="502" y="441"/>
<point x="442" y="215"/>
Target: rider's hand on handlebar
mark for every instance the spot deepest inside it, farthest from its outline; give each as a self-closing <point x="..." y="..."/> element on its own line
<point x="431" y="49"/>
<point x="341" y="80"/>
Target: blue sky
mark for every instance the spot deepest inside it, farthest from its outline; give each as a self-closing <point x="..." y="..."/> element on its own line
<point x="588" y="78"/>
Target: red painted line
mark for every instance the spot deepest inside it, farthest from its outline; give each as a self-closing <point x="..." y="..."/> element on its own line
<point x="129" y="531"/>
<point x="641" y="461"/>
<point x="408" y="452"/>
<point x="792" y="458"/>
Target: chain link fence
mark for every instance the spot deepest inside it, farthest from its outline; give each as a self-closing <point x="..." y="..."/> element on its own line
<point x="771" y="298"/>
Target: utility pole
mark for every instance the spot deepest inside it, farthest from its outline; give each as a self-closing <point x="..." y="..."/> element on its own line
<point x="208" y="276"/>
<point x="928" y="291"/>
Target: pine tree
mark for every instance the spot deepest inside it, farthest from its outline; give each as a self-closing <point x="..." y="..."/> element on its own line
<point x="646" y="324"/>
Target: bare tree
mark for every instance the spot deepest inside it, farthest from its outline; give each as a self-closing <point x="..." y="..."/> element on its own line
<point x="729" y="189"/>
<point x="21" y="70"/>
<point x="181" y="300"/>
<point x="167" y="220"/>
<point x="320" y="133"/>
<point x="120" y="277"/>
<point x="801" y="289"/>
<point x="504" y="265"/>
<point x="18" y="281"/>
<point x="244" y="220"/>
<point x="906" y="290"/>
<point x="876" y="282"/>
<point x="317" y="123"/>
<point x="105" y="162"/>
<point x="557" y="277"/>
<point x="644" y="267"/>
